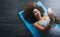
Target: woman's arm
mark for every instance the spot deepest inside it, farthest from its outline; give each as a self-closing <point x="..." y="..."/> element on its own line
<point x="41" y="28"/>
<point x="54" y="17"/>
<point x="38" y="26"/>
<point x="51" y="14"/>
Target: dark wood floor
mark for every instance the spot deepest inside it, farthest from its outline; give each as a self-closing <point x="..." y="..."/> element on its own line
<point x="11" y="24"/>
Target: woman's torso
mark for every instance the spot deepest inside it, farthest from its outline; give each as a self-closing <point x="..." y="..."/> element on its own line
<point x="54" y="30"/>
<point x="44" y="21"/>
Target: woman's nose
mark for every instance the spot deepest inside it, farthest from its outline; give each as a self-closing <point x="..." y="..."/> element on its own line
<point x="37" y="14"/>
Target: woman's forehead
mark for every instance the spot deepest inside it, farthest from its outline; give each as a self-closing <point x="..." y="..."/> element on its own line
<point x="35" y="10"/>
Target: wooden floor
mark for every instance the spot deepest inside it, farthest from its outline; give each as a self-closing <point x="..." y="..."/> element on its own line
<point x="11" y="24"/>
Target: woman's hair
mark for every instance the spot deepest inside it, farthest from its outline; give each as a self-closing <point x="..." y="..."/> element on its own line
<point x="28" y="12"/>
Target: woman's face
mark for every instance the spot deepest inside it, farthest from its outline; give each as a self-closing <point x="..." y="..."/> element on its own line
<point x="36" y="13"/>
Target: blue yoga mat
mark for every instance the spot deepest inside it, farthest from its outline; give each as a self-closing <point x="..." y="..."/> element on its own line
<point x="30" y="26"/>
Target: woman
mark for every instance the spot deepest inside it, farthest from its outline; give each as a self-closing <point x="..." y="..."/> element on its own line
<point x="45" y="23"/>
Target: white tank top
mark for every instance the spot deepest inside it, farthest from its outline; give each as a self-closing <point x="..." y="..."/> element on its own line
<point x="45" y="22"/>
<point x="54" y="31"/>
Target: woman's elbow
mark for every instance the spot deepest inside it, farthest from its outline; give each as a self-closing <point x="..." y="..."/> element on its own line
<point x="40" y="28"/>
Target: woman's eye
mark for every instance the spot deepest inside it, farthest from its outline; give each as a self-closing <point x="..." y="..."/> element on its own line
<point x="34" y="11"/>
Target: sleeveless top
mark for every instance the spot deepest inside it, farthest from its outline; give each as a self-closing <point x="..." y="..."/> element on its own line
<point x="45" y="22"/>
<point x="54" y="31"/>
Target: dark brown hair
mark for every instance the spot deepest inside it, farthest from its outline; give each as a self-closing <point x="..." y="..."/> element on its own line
<point x="28" y="12"/>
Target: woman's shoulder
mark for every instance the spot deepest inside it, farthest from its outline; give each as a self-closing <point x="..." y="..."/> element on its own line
<point x="43" y="18"/>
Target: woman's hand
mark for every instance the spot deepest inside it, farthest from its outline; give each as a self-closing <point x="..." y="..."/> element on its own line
<point x="51" y="15"/>
<point x="52" y="20"/>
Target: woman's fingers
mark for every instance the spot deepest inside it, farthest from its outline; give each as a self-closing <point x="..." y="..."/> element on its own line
<point x="50" y="10"/>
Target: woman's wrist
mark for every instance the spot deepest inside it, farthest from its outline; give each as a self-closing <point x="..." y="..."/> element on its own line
<point x="50" y="25"/>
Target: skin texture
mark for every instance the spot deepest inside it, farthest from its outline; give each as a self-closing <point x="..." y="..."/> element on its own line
<point x="52" y="16"/>
<point x="37" y="13"/>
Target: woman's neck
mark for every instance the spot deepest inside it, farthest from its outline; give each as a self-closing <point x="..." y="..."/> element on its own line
<point x="42" y="18"/>
<point x="39" y="18"/>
